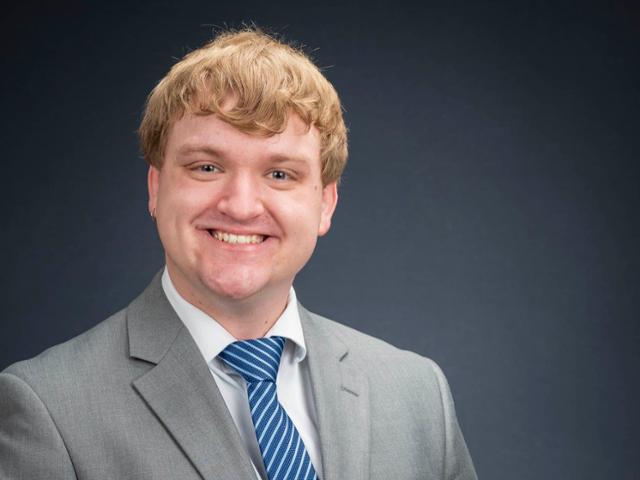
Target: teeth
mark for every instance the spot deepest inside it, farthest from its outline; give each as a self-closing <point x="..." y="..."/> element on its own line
<point x="235" y="239"/>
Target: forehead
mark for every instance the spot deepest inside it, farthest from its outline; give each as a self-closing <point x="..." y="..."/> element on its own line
<point x="197" y="132"/>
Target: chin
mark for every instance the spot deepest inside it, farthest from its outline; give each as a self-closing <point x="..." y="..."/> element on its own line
<point x="238" y="287"/>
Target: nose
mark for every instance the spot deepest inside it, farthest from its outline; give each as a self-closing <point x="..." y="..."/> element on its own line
<point x="240" y="198"/>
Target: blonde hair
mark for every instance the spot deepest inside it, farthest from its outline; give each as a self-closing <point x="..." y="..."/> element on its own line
<point x="267" y="80"/>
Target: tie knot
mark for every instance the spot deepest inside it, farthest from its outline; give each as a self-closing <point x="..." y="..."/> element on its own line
<point x="255" y="360"/>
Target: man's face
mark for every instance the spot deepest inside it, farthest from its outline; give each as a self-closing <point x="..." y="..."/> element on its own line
<point x="239" y="215"/>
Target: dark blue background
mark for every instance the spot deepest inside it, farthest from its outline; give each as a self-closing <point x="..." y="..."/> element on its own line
<point x="488" y="216"/>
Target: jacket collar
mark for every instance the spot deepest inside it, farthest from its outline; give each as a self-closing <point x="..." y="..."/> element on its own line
<point x="341" y="395"/>
<point x="181" y="392"/>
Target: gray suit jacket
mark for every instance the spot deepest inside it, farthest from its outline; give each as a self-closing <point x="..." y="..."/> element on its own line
<point x="133" y="398"/>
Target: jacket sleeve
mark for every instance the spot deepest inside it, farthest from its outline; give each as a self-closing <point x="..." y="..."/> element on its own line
<point x="457" y="461"/>
<point x="30" y="444"/>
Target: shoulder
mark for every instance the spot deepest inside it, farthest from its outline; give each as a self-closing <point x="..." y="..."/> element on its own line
<point x="395" y="380"/>
<point x="408" y="398"/>
<point x="380" y="357"/>
<point x="101" y="355"/>
<point x="76" y="360"/>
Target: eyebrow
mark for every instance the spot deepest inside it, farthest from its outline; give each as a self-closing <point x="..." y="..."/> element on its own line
<point x="190" y="149"/>
<point x="285" y="159"/>
<point x="212" y="152"/>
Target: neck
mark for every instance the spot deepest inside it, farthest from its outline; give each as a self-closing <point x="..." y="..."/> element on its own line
<point x="246" y="318"/>
<point x="250" y="318"/>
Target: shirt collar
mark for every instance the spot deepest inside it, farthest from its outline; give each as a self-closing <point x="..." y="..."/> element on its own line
<point x="212" y="338"/>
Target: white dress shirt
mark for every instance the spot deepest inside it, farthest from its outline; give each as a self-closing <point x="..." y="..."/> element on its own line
<point x="293" y="383"/>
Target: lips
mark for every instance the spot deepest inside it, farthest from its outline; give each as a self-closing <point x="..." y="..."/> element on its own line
<point x="237" y="239"/>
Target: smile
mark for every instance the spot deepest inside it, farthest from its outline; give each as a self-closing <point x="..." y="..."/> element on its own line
<point x="235" y="238"/>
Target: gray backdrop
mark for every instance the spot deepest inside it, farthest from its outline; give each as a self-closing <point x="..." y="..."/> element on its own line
<point x="487" y="218"/>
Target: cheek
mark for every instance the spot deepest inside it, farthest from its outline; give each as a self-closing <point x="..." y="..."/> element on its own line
<point x="177" y="211"/>
<point x="303" y="219"/>
<point x="182" y="203"/>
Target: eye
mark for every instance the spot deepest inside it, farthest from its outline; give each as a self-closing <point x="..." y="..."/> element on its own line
<point x="279" y="175"/>
<point x="207" y="168"/>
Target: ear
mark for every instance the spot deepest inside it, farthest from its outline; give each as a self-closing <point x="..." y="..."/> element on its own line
<point x="329" y="202"/>
<point x="153" y="184"/>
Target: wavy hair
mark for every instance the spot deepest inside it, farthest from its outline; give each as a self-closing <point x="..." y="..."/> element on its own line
<point x="266" y="78"/>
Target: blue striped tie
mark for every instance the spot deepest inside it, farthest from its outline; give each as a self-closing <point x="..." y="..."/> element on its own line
<point x="283" y="452"/>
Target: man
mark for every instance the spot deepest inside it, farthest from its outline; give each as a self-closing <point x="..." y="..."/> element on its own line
<point x="215" y="371"/>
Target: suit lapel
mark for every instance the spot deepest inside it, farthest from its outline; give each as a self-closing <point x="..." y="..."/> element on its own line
<point x="341" y="397"/>
<point x="180" y="390"/>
